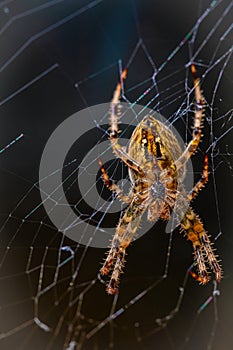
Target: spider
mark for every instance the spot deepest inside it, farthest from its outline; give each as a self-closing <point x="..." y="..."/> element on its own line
<point x="156" y="166"/>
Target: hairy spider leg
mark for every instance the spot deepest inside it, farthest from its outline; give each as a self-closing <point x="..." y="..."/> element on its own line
<point x="201" y="183"/>
<point x="112" y="186"/>
<point x="195" y="232"/>
<point x="125" y="232"/>
<point x="119" y="151"/>
<point x="195" y="276"/>
<point x="120" y="259"/>
<point x="197" y="125"/>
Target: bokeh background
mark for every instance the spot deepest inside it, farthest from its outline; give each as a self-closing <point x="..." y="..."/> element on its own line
<point x="57" y="58"/>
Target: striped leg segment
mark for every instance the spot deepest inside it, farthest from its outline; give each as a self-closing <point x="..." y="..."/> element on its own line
<point x="203" y="252"/>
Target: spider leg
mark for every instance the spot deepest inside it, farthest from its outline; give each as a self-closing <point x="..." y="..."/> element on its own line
<point x="112" y="285"/>
<point x="198" y="118"/>
<point x="119" y="151"/>
<point x="213" y="262"/>
<point x="126" y="230"/>
<point x="195" y="276"/>
<point x="196" y="233"/>
<point x="201" y="183"/>
<point x="112" y="186"/>
<point x="129" y="226"/>
<point x="111" y="258"/>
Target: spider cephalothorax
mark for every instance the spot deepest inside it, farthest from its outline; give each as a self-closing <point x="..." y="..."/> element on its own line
<point x="156" y="166"/>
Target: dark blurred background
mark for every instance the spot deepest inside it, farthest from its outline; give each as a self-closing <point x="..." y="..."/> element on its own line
<point x="57" y="58"/>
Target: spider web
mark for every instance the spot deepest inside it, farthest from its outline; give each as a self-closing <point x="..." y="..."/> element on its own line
<point x="58" y="58"/>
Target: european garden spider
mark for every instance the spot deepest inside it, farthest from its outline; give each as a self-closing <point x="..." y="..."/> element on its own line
<point x="156" y="165"/>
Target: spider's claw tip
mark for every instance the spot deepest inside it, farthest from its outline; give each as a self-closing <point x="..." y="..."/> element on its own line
<point x="124" y="74"/>
<point x="193" y="69"/>
<point x="112" y="291"/>
<point x="112" y="287"/>
<point x="204" y="278"/>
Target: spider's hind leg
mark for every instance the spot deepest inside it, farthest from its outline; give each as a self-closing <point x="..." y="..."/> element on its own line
<point x="125" y="232"/>
<point x="118" y="150"/>
<point x="119" y="264"/>
<point x="111" y="258"/>
<point x="197" y="123"/>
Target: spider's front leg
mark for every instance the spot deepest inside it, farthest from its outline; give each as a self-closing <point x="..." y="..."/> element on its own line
<point x="120" y="151"/>
<point x="125" y="232"/>
<point x="198" y="119"/>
